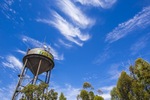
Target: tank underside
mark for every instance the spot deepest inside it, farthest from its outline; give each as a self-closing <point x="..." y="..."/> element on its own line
<point x="33" y="63"/>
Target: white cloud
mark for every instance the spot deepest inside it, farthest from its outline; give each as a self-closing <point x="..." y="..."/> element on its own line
<point x="89" y="76"/>
<point x="75" y="13"/>
<point x="32" y="41"/>
<point x="1" y="57"/>
<point x="106" y="91"/>
<point x="139" y="21"/>
<point x="12" y="62"/>
<point x="65" y="44"/>
<point x="140" y="44"/>
<point x="7" y="92"/>
<point x="107" y="88"/>
<point x="103" y="56"/>
<point x="71" y="33"/>
<point x="116" y="69"/>
<point x="106" y="96"/>
<point x="37" y="43"/>
<point x="6" y="9"/>
<point x="20" y="51"/>
<point x="114" y="72"/>
<point x="69" y="91"/>
<point x="98" y="3"/>
<point x="9" y="2"/>
<point x="73" y="26"/>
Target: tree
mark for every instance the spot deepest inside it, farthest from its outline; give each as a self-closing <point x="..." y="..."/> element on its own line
<point x="142" y="71"/>
<point x="124" y="86"/>
<point x="78" y="97"/>
<point x="100" y="91"/>
<point x="62" y="97"/>
<point x="114" y="94"/>
<point x="84" y="95"/>
<point x="87" y="93"/>
<point x="98" y="98"/>
<point x="87" y="85"/>
<point x="28" y="91"/>
<point x="134" y="86"/>
<point x="52" y="95"/>
<point x="36" y="92"/>
<point x="91" y="95"/>
<point x="39" y="93"/>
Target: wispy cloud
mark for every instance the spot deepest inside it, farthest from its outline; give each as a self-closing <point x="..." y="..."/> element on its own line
<point x="71" y="32"/>
<point x="139" y="21"/>
<point x="12" y="62"/>
<point x="114" y="71"/>
<point x="6" y="8"/>
<point x="9" y="2"/>
<point x="1" y="57"/>
<point x="140" y="44"/>
<point x="65" y="44"/>
<point x="69" y="91"/>
<point x="106" y="96"/>
<point x="107" y="88"/>
<point x="75" y="13"/>
<point x="74" y="26"/>
<point x="21" y="51"/>
<point x="105" y="55"/>
<point x="36" y="43"/>
<point x="106" y="91"/>
<point x="98" y="3"/>
<point x="7" y="92"/>
<point x="90" y="76"/>
<point x="102" y="58"/>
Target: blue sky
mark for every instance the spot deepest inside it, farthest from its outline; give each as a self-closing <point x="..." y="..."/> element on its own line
<point x="91" y="40"/>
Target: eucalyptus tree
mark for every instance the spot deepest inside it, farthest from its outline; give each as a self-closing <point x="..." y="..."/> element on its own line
<point x="62" y="97"/>
<point x="135" y="86"/>
<point x="87" y="93"/>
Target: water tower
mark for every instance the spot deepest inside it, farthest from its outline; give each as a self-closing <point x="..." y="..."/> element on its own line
<point x="37" y="61"/>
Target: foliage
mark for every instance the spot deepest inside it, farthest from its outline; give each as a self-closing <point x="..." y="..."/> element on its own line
<point x="98" y="98"/>
<point x="52" y="95"/>
<point x="84" y="95"/>
<point x="114" y="94"/>
<point x="36" y="92"/>
<point x="88" y="95"/>
<point x="29" y="92"/>
<point x="91" y="95"/>
<point x="62" y="97"/>
<point x="87" y="85"/>
<point x="134" y="86"/>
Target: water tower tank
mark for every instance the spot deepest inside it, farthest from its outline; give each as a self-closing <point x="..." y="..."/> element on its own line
<point x="34" y="56"/>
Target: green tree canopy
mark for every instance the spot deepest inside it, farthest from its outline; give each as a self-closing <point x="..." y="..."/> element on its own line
<point x="62" y="97"/>
<point x="36" y="92"/>
<point x="98" y="98"/>
<point x="134" y="86"/>
<point x="86" y="94"/>
<point x="52" y="95"/>
<point x="87" y="85"/>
